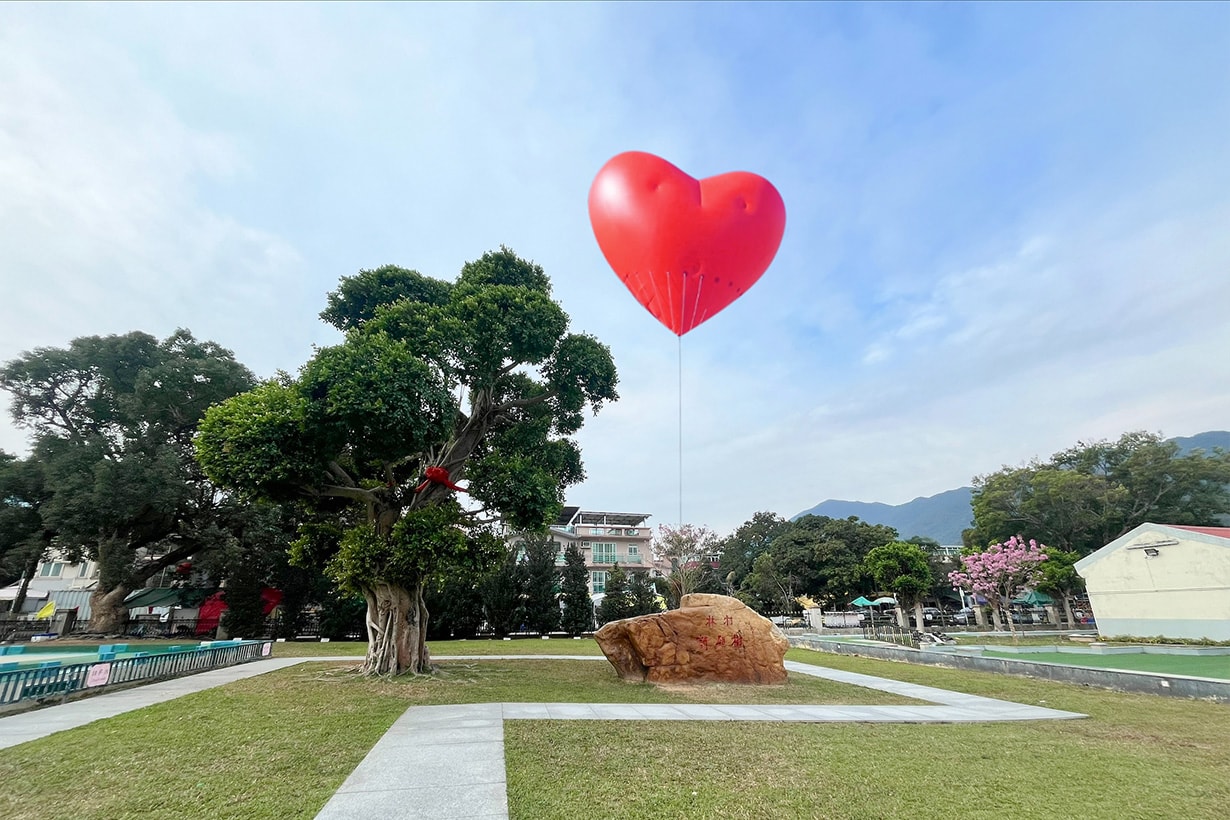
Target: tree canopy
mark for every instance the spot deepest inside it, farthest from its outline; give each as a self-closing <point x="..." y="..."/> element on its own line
<point x="113" y="419"/>
<point x="1086" y="496"/>
<point x="814" y="555"/>
<point x="903" y="570"/>
<point x="477" y="379"/>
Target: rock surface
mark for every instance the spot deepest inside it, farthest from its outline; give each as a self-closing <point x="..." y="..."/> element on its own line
<point x="709" y="638"/>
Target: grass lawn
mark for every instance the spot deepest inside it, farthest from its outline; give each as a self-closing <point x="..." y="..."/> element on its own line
<point x="279" y="745"/>
<point x="1137" y="756"/>
<point x="440" y="649"/>
<point x="1208" y="666"/>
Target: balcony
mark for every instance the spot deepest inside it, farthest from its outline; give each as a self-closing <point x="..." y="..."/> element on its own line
<point x="623" y="559"/>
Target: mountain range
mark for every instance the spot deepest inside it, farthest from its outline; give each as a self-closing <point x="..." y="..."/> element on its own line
<point x="945" y="515"/>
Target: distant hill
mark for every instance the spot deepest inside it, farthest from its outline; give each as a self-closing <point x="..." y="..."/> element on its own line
<point x="941" y="517"/>
<point x="1203" y="441"/>
<point x="945" y="515"/>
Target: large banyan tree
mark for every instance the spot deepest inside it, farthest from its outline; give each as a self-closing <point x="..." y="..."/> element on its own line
<point x="436" y="383"/>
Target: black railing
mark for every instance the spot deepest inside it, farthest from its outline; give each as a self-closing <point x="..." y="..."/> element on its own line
<point x="890" y="633"/>
<point x="51" y="680"/>
<point x="12" y="629"/>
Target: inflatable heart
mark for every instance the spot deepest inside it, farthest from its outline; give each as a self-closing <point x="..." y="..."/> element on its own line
<point x="685" y="248"/>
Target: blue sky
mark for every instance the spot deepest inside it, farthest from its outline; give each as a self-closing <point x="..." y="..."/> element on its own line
<point x="1006" y="223"/>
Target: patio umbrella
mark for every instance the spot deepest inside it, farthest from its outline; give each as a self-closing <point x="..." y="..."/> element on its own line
<point x="861" y="601"/>
<point x="885" y="600"/>
<point x="1034" y="598"/>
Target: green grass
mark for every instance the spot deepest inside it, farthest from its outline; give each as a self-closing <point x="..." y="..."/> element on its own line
<point x="272" y="746"/>
<point x="439" y="649"/>
<point x="278" y="745"/>
<point x="1137" y="756"/>
<point x="1210" y="666"/>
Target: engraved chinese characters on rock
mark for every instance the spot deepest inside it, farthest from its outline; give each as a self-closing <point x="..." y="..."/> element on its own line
<point x="709" y="638"/>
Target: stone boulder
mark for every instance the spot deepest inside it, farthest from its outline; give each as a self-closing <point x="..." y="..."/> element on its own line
<point x="709" y="638"/>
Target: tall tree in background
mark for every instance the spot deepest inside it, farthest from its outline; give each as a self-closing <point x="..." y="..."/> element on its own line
<point x="1088" y="495"/>
<point x="577" y="616"/>
<point x="691" y="551"/>
<point x="477" y="379"/>
<point x="820" y="557"/>
<point x="24" y="536"/>
<point x="642" y="594"/>
<point x="901" y="569"/>
<point x="113" y="420"/>
<point x="502" y="592"/>
<point x="742" y="547"/>
<point x="616" y="602"/>
<point x="542" y="583"/>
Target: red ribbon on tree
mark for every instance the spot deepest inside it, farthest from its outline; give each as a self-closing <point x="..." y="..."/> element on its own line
<point x="438" y="475"/>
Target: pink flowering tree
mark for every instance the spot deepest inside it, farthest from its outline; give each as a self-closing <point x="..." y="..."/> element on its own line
<point x="1001" y="573"/>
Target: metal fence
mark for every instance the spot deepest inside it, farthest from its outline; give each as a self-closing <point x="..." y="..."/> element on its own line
<point x="52" y="681"/>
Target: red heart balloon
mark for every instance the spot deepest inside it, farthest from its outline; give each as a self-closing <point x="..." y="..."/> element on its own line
<point x="686" y="248"/>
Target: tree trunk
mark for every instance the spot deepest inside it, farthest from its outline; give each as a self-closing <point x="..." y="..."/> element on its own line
<point x="396" y="630"/>
<point x="27" y="574"/>
<point x="107" y="611"/>
<point x="1067" y="612"/>
<point x="995" y="617"/>
<point x="918" y="616"/>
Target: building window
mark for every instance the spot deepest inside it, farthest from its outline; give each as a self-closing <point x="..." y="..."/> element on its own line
<point x="52" y="570"/>
<point x="83" y="570"/>
<point x="633" y="549"/>
<point x="632" y="532"/>
<point x="598" y="580"/>
<point x="604" y="553"/>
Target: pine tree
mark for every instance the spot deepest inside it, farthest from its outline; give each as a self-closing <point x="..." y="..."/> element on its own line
<point x="578" y="607"/>
<point x="541" y="578"/>
<point x="644" y="596"/>
<point x="616" y="603"/>
<point x="501" y="593"/>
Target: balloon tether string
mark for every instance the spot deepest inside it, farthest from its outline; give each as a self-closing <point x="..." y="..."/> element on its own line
<point x="680" y="431"/>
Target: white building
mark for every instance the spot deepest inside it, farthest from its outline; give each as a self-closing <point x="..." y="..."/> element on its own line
<point x="1167" y="580"/>
<point x="54" y="575"/>
<point x="605" y="538"/>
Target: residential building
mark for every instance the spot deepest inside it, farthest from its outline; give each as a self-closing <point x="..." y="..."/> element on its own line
<point x="54" y="575"/>
<point x="605" y="538"/>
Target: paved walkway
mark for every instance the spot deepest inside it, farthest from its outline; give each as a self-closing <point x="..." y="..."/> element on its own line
<point x="445" y="762"/>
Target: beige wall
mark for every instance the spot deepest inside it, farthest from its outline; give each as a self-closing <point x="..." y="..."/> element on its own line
<point x="1183" y="591"/>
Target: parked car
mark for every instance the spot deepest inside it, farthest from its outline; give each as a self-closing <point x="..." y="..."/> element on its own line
<point x="964" y="615"/>
<point x="932" y="615"/>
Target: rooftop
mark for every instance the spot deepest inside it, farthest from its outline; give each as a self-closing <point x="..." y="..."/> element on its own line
<point x="575" y="515"/>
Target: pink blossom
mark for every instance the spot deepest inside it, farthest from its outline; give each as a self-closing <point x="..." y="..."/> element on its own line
<point x="1002" y="572"/>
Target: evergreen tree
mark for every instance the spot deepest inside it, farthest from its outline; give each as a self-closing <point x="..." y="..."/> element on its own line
<point x="642" y="593"/>
<point x="578" y="607"/>
<point x="501" y="593"/>
<point x="616" y="603"/>
<point x="542" y="584"/>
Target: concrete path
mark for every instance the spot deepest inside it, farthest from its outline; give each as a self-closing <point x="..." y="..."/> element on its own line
<point x="445" y="762"/>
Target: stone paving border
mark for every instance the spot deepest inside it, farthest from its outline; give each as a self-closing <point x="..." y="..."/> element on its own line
<point x="444" y="762"/>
